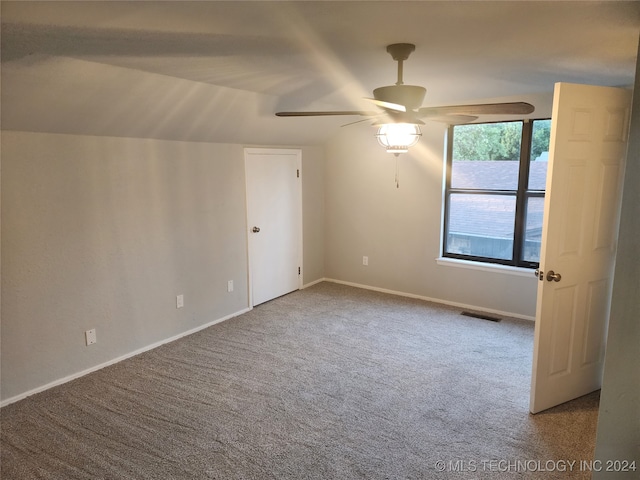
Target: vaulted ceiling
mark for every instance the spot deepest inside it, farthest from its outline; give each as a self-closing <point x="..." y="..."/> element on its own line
<point x="218" y="71"/>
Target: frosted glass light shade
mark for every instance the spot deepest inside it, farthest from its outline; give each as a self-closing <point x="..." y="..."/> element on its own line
<point x="398" y="137"/>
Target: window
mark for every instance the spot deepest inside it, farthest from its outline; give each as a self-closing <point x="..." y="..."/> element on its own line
<point x="494" y="193"/>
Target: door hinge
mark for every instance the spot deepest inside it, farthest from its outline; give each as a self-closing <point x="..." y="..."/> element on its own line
<point x="297" y="173"/>
<point x="298" y="270"/>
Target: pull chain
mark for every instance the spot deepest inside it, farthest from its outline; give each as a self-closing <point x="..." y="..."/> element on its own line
<point x="397" y="170"/>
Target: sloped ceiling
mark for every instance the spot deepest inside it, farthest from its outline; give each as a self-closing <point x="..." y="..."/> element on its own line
<point x="218" y="71"/>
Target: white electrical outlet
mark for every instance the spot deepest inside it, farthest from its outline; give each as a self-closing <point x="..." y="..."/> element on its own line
<point x="180" y="301"/>
<point x="365" y="260"/>
<point x="230" y="286"/>
<point x="90" y="336"/>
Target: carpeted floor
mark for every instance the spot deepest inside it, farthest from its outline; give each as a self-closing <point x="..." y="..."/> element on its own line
<point x="331" y="382"/>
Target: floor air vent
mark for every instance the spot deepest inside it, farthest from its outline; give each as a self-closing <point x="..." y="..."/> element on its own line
<point x="481" y="316"/>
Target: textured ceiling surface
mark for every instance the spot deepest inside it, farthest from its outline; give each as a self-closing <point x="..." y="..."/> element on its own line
<point x="218" y="71"/>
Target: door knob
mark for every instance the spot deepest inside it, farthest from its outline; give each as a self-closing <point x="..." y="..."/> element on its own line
<point x="256" y="229"/>
<point x="552" y="276"/>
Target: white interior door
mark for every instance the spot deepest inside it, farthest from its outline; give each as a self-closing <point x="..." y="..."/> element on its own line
<point x="582" y="203"/>
<point x="274" y="215"/>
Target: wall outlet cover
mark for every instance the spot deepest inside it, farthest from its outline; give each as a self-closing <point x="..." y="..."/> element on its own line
<point x="90" y="336"/>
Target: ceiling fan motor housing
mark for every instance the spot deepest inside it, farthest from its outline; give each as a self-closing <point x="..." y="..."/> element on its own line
<point x="411" y="96"/>
<point x="400" y="51"/>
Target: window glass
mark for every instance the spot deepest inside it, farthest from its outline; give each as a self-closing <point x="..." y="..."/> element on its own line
<point x="539" y="157"/>
<point x="486" y="156"/>
<point x="495" y="190"/>
<point x="533" y="229"/>
<point x="481" y="225"/>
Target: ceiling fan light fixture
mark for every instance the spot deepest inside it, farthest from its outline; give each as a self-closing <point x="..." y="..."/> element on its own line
<point x="398" y="137"/>
<point x="399" y="121"/>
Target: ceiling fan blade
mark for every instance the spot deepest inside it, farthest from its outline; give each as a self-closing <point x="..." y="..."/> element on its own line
<point x="321" y="114"/>
<point x="357" y="121"/>
<point x="397" y="117"/>
<point x="388" y="105"/>
<point x="453" y="119"/>
<point x="510" y="108"/>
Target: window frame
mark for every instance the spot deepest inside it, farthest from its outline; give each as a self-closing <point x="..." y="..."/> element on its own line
<point x="521" y="194"/>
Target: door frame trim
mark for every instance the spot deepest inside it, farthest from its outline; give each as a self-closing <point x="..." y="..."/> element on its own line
<point x="273" y="151"/>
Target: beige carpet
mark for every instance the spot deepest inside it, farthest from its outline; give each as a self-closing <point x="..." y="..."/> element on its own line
<point x="331" y="382"/>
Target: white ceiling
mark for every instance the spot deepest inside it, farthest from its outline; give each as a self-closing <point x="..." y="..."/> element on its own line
<point x="218" y="71"/>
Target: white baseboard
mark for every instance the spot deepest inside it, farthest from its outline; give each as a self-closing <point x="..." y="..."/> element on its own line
<point x="68" y="378"/>
<point x="310" y="284"/>
<point x="202" y="327"/>
<point x="463" y="306"/>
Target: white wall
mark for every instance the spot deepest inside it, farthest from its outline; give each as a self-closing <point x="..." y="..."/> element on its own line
<point x="313" y="214"/>
<point x="399" y="229"/>
<point x="103" y="233"/>
<point x="618" y="436"/>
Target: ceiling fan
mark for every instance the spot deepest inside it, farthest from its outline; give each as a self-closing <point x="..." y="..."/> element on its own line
<point x="402" y="104"/>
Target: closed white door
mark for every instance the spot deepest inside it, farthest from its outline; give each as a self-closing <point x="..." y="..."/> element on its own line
<point x="584" y="182"/>
<point x="274" y="215"/>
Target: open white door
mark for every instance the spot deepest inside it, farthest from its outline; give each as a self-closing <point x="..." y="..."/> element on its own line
<point x="584" y="181"/>
<point x="274" y="215"/>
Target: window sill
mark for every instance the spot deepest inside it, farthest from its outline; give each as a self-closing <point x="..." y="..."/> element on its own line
<point x="485" y="267"/>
